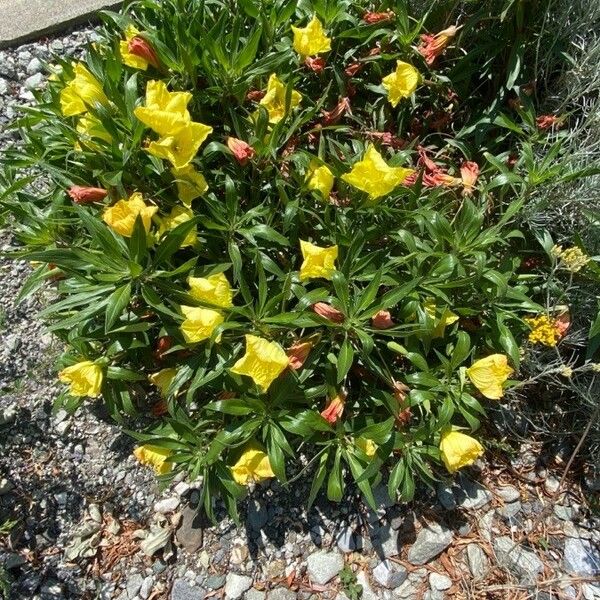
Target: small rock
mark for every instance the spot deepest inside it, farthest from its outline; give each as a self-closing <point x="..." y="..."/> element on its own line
<point x="238" y="555"/>
<point x="430" y="542"/>
<point x="146" y="588"/>
<point x="236" y="585"/>
<point x="407" y="591"/>
<point x="134" y="583"/>
<point x="35" y="66"/>
<point x="215" y="582"/>
<point x="470" y="494"/>
<point x="281" y="593"/>
<point x="382" y="497"/>
<point x="323" y="566"/>
<point x="166" y="505"/>
<point x="63" y="427"/>
<point x="446" y="496"/>
<point x="581" y="558"/>
<point x="523" y="563"/>
<point x="437" y="581"/>
<point x="8" y="414"/>
<point x="485" y="525"/>
<point x="254" y="594"/>
<point x="478" y="561"/>
<point x="590" y="592"/>
<point x="551" y="484"/>
<point x="182" y="590"/>
<point x="34" y="81"/>
<point x="508" y="493"/>
<point x="3" y="86"/>
<point x="347" y="540"/>
<point x="190" y="533"/>
<point x="389" y="574"/>
<point x="509" y="510"/>
<point x="564" y="513"/>
<point x="388" y="542"/>
<point x="367" y="590"/>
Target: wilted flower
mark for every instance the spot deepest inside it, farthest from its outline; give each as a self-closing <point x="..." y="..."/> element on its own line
<point x="318" y="262"/>
<point x="83" y="92"/>
<point x="354" y="68"/>
<point x="334" y="409"/>
<point x="264" y="361"/>
<point x="377" y="17"/>
<point x="320" y="178"/>
<point x="385" y="138"/>
<point x="333" y="116"/>
<point x="163" y="345"/>
<point x="162" y="380"/>
<point x="242" y="151"/>
<point x="298" y="353"/>
<point x="382" y="320"/>
<point x="214" y="289"/>
<point x="252" y="466"/>
<point x="311" y="40"/>
<point x="155" y="457"/>
<point x="459" y="450"/>
<point x="199" y="323"/>
<point x="401" y="83"/>
<point x="469" y="173"/>
<point x="316" y="64"/>
<point x="85" y="378"/>
<point x="545" y="122"/>
<point x="328" y="312"/>
<point x="274" y="99"/>
<point x="433" y="45"/>
<point x="86" y="195"/>
<point x="122" y="215"/>
<point x="190" y="183"/>
<point x="489" y="373"/>
<point x="255" y="95"/>
<point x="566" y="371"/>
<point x="544" y="330"/>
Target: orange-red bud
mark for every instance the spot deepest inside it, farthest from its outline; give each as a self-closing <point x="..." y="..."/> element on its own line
<point x="140" y="47"/>
<point x="328" y="312"/>
<point x="382" y="320"/>
<point x="333" y="411"/>
<point x="242" y="151"/>
<point x="87" y="195"/>
<point x="377" y="17"/>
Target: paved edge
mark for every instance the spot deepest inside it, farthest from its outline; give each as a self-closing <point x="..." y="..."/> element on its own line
<point x="57" y="27"/>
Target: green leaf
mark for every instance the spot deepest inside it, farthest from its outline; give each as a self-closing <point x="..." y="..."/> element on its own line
<point x="117" y="302"/>
<point x="344" y="360"/>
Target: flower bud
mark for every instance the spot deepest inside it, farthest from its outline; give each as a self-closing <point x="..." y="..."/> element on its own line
<point x="469" y="173"/>
<point x="333" y="411"/>
<point x="298" y="353"/>
<point x="86" y="195"/>
<point x="382" y="320"/>
<point x="242" y="151"/>
<point x="316" y="63"/>
<point x="377" y="17"/>
<point x="138" y="46"/>
<point x="328" y="312"/>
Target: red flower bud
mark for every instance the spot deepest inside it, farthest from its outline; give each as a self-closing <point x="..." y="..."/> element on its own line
<point x="255" y="95"/>
<point x="328" y="312"/>
<point x="140" y="47"/>
<point x="382" y="320"/>
<point x="377" y="17"/>
<point x="333" y="411"/>
<point x="316" y="64"/>
<point x="298" y="353"/>
<point x="242" y="151"/>
<point x="86" y="195"/>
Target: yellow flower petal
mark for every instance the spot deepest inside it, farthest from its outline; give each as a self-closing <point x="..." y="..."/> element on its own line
<point x="264" y="361"/>
<point x="190" y="184"/>
<point x="155" y="457"/>
<point x="441" y="321"/>
<point x="214" y="289"/>
<point x="489" y="373"/>
<point x="320" y="179"/>
<point x="162" y="380"/>
<point x="369" y="447"/>
<point x="373" y="175"/>
<point x="122" y="215"/>
<point x="274" y="99"/>
<point x="85" y="378"/>
<point x="401" y="83"/>
<point x="318" y="262"/>
<point x="81" y="93"/>
<point x="165" y="112"/>
<point x="177" y="216"/>
<point x="199" y="323"/>
<point x="180" y="148"/>
<point x="252" y="466"/>
<point x="459" y="450"/>
<point x="311" y="40"/>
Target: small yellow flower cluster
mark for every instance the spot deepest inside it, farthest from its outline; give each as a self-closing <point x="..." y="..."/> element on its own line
<point x="573" y="259"/>
<point x="544" y="330"/>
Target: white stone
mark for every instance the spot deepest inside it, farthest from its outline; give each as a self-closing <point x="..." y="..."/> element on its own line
<point x="323" y="566"/>
<point x="236" y="585"/>
<point x="437" y="581"/>
<point x="389" y="574"/>
<point x="166" y="505"/>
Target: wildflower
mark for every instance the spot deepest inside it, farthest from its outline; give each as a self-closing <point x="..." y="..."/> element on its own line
<point x="566" y="371"/>
<point x="318" y="262"/>
<point x="252" y="466"/>
<point x="382" y="320"/>
<point x="377" y="17"/>
<point x="275" y="99"/>
<point x="441" y="320"/>
<point x="433" y="45"/>
<point x="320" y="179"/>
<point x="328" y="312"/>
<point x="369" y="447"/>
<point x="85" y="378"/>
<point x="165" y="112"/>
<point x="177" y="216"/>
<point x="573" y="259"/>
<point x="122" y="215"/>
<point x="401" y="83"/>
<point x="242" y="151"/>
<point x="181" y="147"/>
<point x="544" y="330"/>
<point x="214" y="289"/>
<point x="311" y="40"/>
<point x="190" y="183"/>
<point x="199" y="323"/>
<point x="136" y="52"/>
<point x="469" y="173"/>
<point x="81" y="93"/>
<point x="489" y="373"/>
<point x="334" y="409"/>
<point x="298" y="353"/>
<point x="264" y="361"/>
<point x="315" y="64"/>
<point x="155" y="457"/>
<point x="562" y="322"/>
<point x="162" y="380"/>
<point x="459" y="450"/>
<point x="86" y="195"/>
<point x="373" y="175"/>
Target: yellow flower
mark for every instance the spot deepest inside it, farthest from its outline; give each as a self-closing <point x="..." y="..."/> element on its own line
<point x="85" y="378"/>
<point x="162" y="379"/>
<point x="401" y="83"/>
<point x="274" y="99"/>
<point x="165" y="112"/>
<point x="440" y="323"/>
<point x="190" y="183"/>
<point x="214" y="290"/>
<point x="369" y="447"/>
<point x="177" y="216"/>
<point x="459" y="450"/>
<point x="128" y="58"/>
<point x="489" y="373"/>
<point x="200" y="323"/>
<point x="264" y="361"/>
<point x="373" y="175"/>
<point x="181" y="147"/>
<point x="81" y="93"/>
<point x="311" y="40"/>
<point x="320" y="178"/>
<point x="573" y="259"/>
<point x="155" y="457"/>
<point x="252" y="466"/>
<point x="122" y="215"/>
<point x="544" y="330"/>
<point x="90" y="128"/>
<point x="318" y="262"/>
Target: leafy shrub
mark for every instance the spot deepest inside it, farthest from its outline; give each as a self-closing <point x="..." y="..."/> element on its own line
<point x="292" y="227"/>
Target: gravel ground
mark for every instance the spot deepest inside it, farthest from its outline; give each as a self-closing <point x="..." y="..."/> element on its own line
<point x="79" y="518"/>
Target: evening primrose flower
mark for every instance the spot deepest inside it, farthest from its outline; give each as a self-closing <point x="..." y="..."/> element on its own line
<point x="441" y="321"/>
<point x="214" y="289"/>
<point x="81" y="93"/>
<point x="85" y="378"/>
<point x="489" y="373"/>
<point x="320" y="179"/>
<point x="162" y="380"/>
<point x="264" y="361"/>
<point x="433" y="45"/>
<point x="177" y="216"/>
<point x="200" y="323"/>
<point x="252" y="466"/>
<point x="544" y="330"/>
<point x="401" y="83"/>
<point x="274" y="99"/>
<point x="311" y="40"/>
<point x="459" y="450"/>
<point x="374" y="176"/>
<point x="122" y="216"/>
<point x="190" y="183"/>
<point x="136" y="52"/>
<point x="318" y="262"/>
<point x="181" y="147"/>
<point x="369" y="447"/>
<point x="155" y="457"/>
<point x="165" y="112"/>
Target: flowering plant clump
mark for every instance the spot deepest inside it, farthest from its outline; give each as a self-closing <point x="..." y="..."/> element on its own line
<point x="288" y="225"/>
